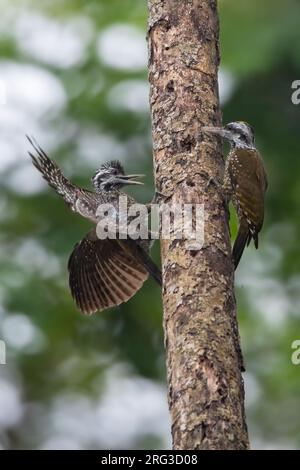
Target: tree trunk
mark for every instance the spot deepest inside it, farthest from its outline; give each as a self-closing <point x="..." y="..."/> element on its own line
<point x="204" y="362"/>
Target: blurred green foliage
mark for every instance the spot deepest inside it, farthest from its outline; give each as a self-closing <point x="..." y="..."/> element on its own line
<point x="260" y="47"/>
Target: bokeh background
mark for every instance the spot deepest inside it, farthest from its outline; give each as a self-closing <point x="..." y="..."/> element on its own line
<point x="73" y="74"/>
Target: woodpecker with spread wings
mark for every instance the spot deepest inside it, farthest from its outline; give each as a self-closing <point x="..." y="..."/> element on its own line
<point x="245" y="183"/>
<point x="102" y="273"/>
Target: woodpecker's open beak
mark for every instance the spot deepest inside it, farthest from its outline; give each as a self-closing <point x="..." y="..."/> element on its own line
<point x="128" y="179"/>
<point x="221" y="131"/>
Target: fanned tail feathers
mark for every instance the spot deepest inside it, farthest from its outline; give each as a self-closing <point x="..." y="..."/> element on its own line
<point x="102" y="274"/>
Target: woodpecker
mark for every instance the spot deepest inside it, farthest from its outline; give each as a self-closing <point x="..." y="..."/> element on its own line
<point x="102" y="273"/>
<point x="245" y="183"/>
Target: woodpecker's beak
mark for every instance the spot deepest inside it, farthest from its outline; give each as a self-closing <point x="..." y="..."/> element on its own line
<point x="221" y="131"/>
<point x="128" y="179"/>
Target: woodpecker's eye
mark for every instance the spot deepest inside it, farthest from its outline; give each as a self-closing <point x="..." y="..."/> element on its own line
<point x="243" y="138"/>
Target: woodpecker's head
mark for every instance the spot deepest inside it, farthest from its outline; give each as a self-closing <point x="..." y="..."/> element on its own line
<point x="111" y="175"/>
<point x="239" y="134"/>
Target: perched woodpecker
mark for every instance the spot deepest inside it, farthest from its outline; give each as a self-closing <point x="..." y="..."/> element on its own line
<point x="245" y="183"/>
<point x="102" y="273"/>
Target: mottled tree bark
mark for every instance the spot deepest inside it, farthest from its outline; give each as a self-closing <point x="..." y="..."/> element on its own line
<point x="206" y="392"/>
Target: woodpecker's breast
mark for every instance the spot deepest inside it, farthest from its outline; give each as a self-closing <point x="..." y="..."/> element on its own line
<point x="249" y="184"/>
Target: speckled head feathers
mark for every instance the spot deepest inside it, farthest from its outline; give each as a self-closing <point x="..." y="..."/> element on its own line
<point x="240" y="134"/>
<point x="105" y="175"/>
<point x="111" y="175"/>
<point x="112" y="167"/>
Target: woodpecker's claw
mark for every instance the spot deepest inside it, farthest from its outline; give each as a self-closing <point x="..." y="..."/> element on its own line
<point x="213" y="181"/>
<point x="156" y="200"/>
<point x="158" y="196"/>
<point x="219" y="188"/>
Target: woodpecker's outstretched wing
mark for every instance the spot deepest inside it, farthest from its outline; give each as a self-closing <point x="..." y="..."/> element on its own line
<point x="102" y="274"/>
<point x="52" y="174"/>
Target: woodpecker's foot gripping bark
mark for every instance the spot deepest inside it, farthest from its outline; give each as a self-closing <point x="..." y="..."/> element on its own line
<point x="157" y="199"/>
